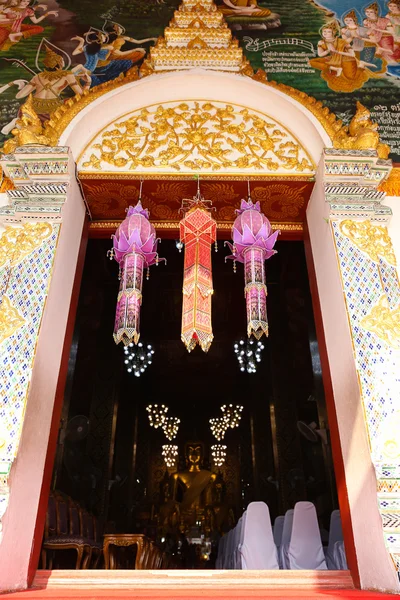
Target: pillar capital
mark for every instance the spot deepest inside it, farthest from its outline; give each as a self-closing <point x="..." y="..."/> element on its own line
<point x="38" y="178"/>
<point x="352" y="181"/>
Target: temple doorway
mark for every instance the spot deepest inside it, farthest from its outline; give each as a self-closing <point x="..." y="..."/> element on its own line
<point x="110" y="470"/>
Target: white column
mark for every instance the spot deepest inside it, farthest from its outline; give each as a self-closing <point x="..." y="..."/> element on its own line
<point x="353" y="258"/>
<point x="44" y="215"/>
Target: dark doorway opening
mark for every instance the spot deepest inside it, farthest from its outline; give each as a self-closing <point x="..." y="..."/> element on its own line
<point x="109" y="459"/>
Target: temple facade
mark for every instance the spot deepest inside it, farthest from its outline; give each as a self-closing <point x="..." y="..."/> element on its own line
<point x="196" y="108"/>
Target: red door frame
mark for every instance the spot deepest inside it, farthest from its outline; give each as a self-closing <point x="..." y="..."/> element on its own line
<point x="330" y="403"/>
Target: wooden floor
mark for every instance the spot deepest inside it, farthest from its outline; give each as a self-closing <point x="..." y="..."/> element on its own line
<point x="195" y="585"/>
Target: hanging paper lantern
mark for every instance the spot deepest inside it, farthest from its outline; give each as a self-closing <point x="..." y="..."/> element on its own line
<point x="253" y="243"/>
<point x="198" y="231"/>
<point x="134" y="248"/>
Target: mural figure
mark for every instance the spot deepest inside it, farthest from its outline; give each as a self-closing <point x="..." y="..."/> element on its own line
<point x="117" y="39"/>
<point x="394" y="17"/>
<point x="12" y="26"/>
<point x="381" y="31"/>
<point x="337" y="61"/>
<point x="47" y="86"/>
<point x="246" y="14"/>
<point x="364" y="48"/>
<point x="102" y="50"/>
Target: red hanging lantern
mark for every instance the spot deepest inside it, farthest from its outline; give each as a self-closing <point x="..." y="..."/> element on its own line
<point x="198" y="231"/>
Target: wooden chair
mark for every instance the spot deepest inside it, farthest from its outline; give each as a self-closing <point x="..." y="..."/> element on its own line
<point x="89" y="532"/>
<point x="68" y="535"/>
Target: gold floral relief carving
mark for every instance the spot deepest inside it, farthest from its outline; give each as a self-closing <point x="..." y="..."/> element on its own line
<point x="10" y="319"/>
<point x="197" y="136"/>
<point x="374" y="240"/>
<point x="384" y="322"/>
<point x="17" y="242"/>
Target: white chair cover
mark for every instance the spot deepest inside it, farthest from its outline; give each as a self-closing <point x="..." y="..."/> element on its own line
<point x="285" y="541"/>
<point x="258" y="550"/>
<point x="219" y="563"/>
<point x="339" y="555"/>
<point x="229" y="550"/>
<point x="335" y="535"/>
<point x="238" y="556"/>
<point x="305" y="548"/>
<point x="278" y="529"/>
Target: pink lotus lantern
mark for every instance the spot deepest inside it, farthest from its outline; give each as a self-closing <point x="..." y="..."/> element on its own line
<point x="253" y="243"/>
<point x="134" y="248"/>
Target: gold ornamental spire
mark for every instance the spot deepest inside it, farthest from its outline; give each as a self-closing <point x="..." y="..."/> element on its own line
<point x="197" y="36"/>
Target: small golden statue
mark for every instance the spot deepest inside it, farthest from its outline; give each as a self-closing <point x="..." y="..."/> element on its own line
<point x="363" y="134"/>
<point x="29" y="129"/>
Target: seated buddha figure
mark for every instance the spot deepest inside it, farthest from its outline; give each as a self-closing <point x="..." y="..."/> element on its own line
<point x="193" y="487"/>
<point x="248" y="14"/>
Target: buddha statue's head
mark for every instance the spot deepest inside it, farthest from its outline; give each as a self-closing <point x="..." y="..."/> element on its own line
<point x="194" y="456"/>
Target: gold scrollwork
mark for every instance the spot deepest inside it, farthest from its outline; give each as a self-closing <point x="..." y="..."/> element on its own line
<point x="384" y="322"/>
<point x="374" y="240"/>
<point x="10" y="319"/>
<point x="198" y="136"/>
<point x="18" y="242"/>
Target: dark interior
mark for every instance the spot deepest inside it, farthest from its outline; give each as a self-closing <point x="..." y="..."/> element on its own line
<point x="109" y="458"/>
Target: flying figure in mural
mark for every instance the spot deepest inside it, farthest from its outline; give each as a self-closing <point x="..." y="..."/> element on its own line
<point x="102" y="50"/>
<point x="12" y="26"/>
<point x="47" y="85"/>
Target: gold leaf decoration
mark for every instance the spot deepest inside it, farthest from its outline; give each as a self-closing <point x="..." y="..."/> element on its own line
<point x="192" y="136"/>
<point x="220" y="192"/>
<point x="374" y="240"/>
<point x="10" y="319"/>
<point x="280" y="201"/>
<point x="384" y="322"/>
<point x="18" y="242"/>
<point x="172" y="191"/>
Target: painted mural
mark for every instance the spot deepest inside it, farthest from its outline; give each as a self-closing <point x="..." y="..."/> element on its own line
<point x="338" y="51"/>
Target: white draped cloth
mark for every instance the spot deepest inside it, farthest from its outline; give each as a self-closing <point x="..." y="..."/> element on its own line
<point x="335" y="535"/>
<point x="285" y="540"/>
<point x="305" y="548"/>
<point x="339" y="555"/>
<point x="229" y="550"/>
<point x="258" y="550"/>
<point x="239" y="538"/>
<point x="278" y="530"/>
<point x="219" y="564"/>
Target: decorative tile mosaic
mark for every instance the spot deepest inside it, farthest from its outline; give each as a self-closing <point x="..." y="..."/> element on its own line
<point x="27" y="286"/>
<point x="372" y="292"/>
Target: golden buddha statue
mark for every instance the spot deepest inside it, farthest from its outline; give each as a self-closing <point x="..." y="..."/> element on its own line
<point x="192" y="500"/>
<point x="193" y="486"/>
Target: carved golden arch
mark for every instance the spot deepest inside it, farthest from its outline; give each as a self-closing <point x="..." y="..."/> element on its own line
<point x="361" y="134"/>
